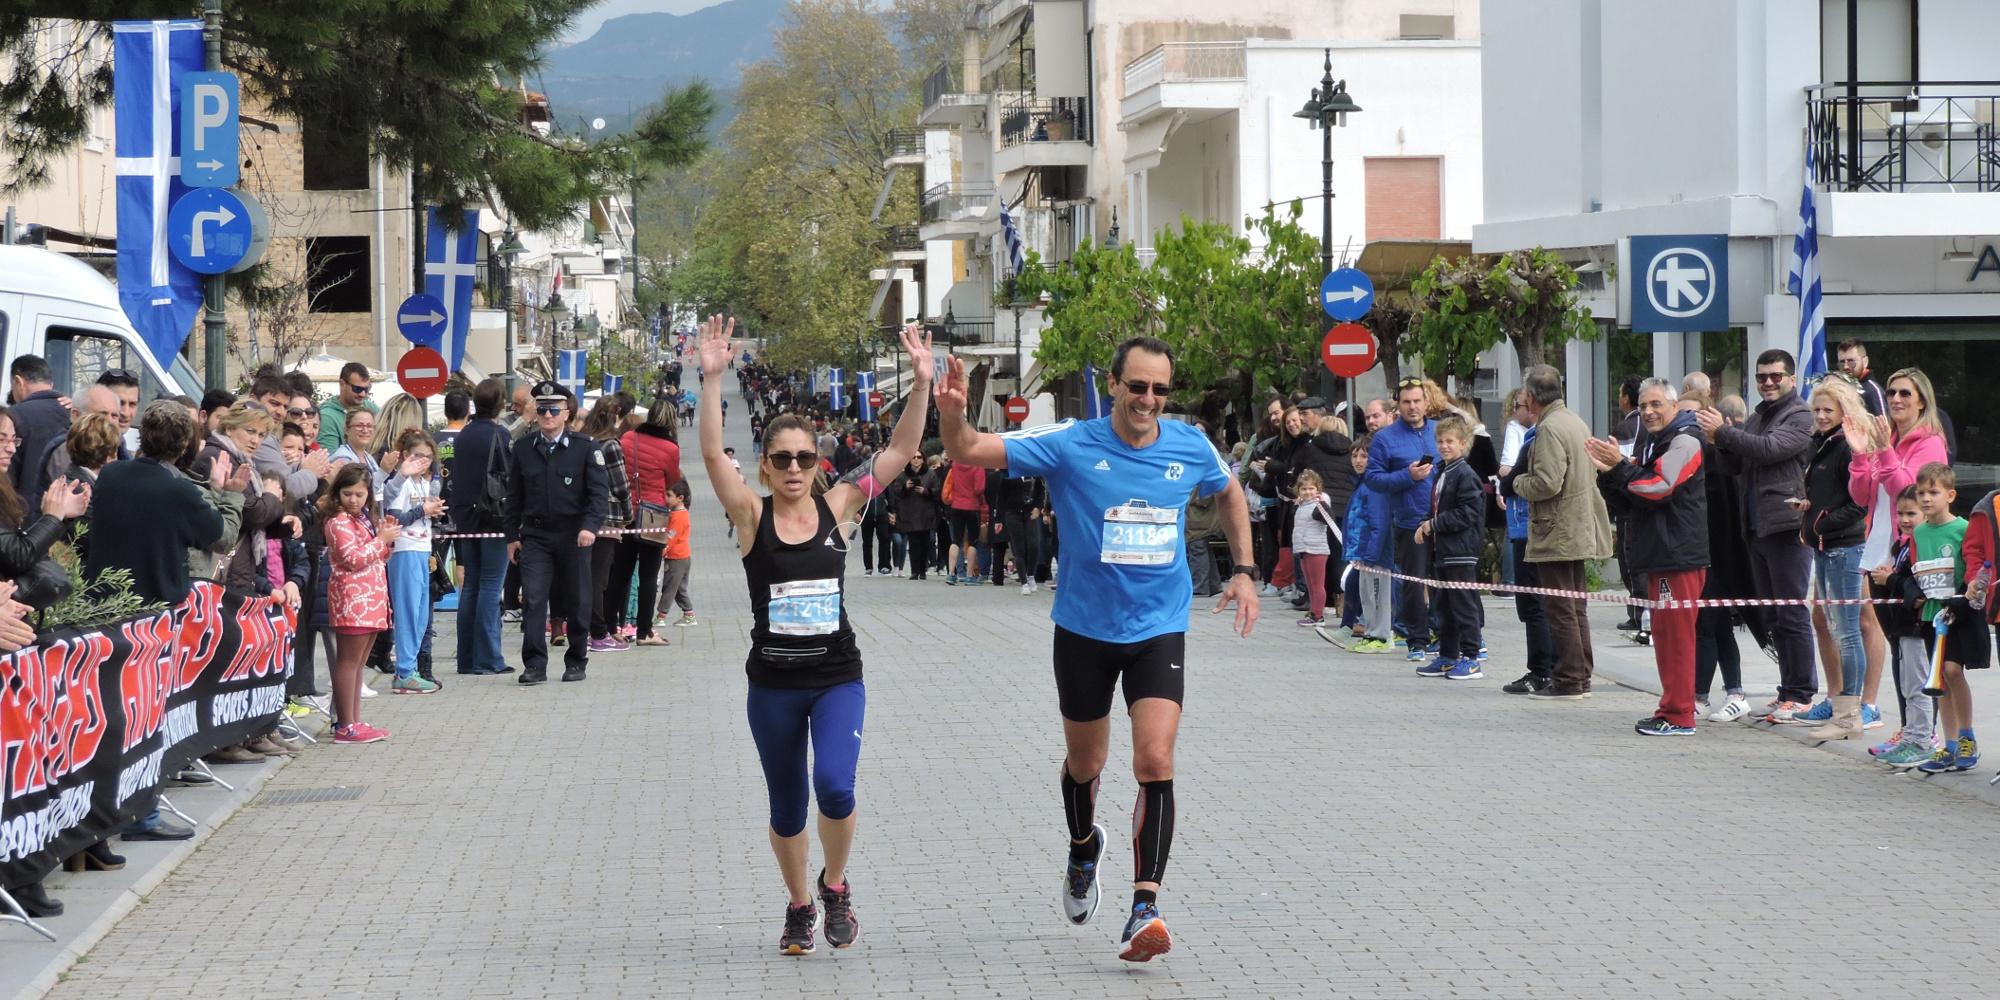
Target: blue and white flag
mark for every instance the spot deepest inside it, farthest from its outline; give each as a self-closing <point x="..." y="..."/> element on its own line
<point x="1096" y="403"/>
<point x="1803" y="282"/>
<point x="161" y="296"/>
<point x="1012" y="235"/>
<point x="451" y="267"/>
<point x="613" y="383"/>
<point x="864" y="388"/>
<point x="572" y="366"/>
<point x="836" y="387"/>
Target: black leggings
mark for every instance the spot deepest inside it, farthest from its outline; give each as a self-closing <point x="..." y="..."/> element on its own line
<point x="920" y="551"/>
<point x="635" y="556"/>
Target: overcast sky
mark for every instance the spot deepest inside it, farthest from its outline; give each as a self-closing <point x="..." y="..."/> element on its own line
<point x="588" y="22"/>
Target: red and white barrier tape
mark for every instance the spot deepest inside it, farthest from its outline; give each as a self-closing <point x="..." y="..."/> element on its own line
<point x="1627" y="599"/>
<point x="446" y="536"/>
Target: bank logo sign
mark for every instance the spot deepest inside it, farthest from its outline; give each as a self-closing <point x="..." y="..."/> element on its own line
<point x="1680" y="283"/>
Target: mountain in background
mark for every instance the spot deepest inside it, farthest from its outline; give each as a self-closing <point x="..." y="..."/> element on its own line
<point x="625" y="66"/>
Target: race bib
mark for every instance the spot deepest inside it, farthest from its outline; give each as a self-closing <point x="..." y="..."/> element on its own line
<point x="805" y="607"/>
<point x="1137" y="533"/>
<point x="1936" y="577"/>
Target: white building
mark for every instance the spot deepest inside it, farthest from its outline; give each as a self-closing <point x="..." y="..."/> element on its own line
<point x="1606" y="120"/>
<point x="1071" y="112"/>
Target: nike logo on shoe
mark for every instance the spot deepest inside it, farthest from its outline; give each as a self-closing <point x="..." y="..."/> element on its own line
<point x="1173" y="666"/>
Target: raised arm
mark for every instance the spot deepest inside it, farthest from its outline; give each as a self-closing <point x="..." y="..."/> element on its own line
<point x="961" y="442"/>
<point x="904" y="441"/>
<point x="738" y="500"/>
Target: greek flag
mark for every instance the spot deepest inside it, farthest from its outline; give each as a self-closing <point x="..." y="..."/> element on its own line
<point x="864" y="388"/>
<point x="161" y="296"/>
<point x="1095" y="402"/>
<point x="571" y="369"/>
<point x="1803" y="282"/>
<point x="1012" y="234"/>
<point x="451" y="267"/>
<point x="836" y="387"/>
<point x="613" y="383"/>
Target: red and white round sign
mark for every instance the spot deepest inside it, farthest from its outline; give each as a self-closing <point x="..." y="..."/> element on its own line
<point x="421" y="372"/>
<point x="1017" y="409"/>
<point x="1348" y="350"/>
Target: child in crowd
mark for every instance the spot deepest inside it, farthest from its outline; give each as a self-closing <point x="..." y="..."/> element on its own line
<point x="413" y="498"/>
<point x="1370" y="544"/>
<point x="1312" y="519"/>
<point x="1910" y="638"/>
<point x="357" y="595"/>
<point x="1982" y="553"/>
<point x="1456" y="530"/>
<point x="1940" y="574"/>
<point x="1350" y="580"/>
<point x="679" y="557"/>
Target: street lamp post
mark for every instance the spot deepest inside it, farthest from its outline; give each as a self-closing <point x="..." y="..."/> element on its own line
<point x="1327" y="109"/>
<point x="510" y="248"/>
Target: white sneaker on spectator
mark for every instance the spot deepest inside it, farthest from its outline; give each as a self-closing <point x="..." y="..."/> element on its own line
<point x="1735" y="708"/>
<point x="1028" y="588"/>
<point x="368" y="692"/>
<point x="1701" y="708"/>
<point x="1765" y="711"/>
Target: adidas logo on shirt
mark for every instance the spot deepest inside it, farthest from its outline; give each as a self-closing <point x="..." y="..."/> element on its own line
<point x="1102" y="466"/>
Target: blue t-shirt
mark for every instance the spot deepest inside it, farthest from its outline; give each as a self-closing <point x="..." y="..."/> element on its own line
<point x="1119" y="511"/>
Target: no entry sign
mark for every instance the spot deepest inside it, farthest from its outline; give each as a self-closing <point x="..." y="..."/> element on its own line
<point x="421" y="372"/>
<point x="1348" y="350"/>
<point x="1017" y="409"/>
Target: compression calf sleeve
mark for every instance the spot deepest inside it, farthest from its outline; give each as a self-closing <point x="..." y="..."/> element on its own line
<point x="1153" y="829"/>
<point x="1080" y="810"/>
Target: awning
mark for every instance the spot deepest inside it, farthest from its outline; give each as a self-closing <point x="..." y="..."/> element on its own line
<point x="1146" y="142"/>
<point x="1062" y="67"/>
<point x="1390" y="264"/>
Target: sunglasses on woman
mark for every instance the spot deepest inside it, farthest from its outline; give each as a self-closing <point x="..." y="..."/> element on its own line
<point x="792" y="460"/>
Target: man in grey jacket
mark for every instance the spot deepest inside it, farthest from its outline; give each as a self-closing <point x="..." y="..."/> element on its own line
<point x="1767" y="458"/>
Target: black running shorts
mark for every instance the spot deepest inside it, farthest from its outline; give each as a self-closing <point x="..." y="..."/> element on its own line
<point x="1087" y="670"/>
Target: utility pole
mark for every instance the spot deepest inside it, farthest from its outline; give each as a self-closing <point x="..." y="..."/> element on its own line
<point x="215" y="324"/>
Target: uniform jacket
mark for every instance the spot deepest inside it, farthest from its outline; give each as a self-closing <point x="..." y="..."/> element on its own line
<point x="1663" y="494"/>
<point x="1767" y="458"/>
<point x="1567" y="519"/>
<point x="559" y="490"/>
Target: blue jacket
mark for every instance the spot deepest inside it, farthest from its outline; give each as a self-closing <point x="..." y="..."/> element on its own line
<point x="1367" y="526"/>
<point x="1517" y="508"/>
<point x="1395" y="449"/>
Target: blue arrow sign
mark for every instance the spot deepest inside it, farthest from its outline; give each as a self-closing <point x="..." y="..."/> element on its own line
<point x="1346" y="294"/>
<point x="210" y="152"/>
<point x="212" y="230"/>
<point x="421" y="319"/>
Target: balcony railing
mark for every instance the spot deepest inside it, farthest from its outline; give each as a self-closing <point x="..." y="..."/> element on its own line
<point x="1185" y="62"/>
<point x="1060" y="119"/>
<point x="900" y="238"/>
<point x="941" y="82"/>
<point x="903" y="142"/>
<point x="951" y="200"/>
<point x="975" y="331"/>
<point x="1905" y="135"/>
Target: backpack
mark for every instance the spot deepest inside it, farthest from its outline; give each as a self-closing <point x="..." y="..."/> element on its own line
<point x="490" y="511"/>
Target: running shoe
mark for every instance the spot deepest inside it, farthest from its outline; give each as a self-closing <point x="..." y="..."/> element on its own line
<point x="1968" y="753"/>
<point x="1788" y="712"/>
<point x="1735" y="708"/>
<point x="1482" y="653"/>
<point x="1906" y="755"/>
<point x="1465" y="670"/>
<point x="1370" y="646"/>
<point x="628" y="633"/>
<point x="1080" y="893"/>
<point x="1701" y="708"/>
<point x="1416" y="654"/>
<point x="687" y="620"/>
<point x="511" y="615"/>
<point x="843" y="928"/>
<point x="608" y="644"/>
<point x="368" y="692"/>
<point x="1821" y="712"/>
<point x="1028" y="588"/>
<point x="1310" y="622"/>
<point x="798" y="936"/>
<point x="413" y="685"/>
<point x="1436" y="668"/>
<point x="1871" y="717"/>
<point x="1527" y="683"/>
<point x="1943" y="760"/>
<point x="359" y="732"/>
<point x="323" y="704"/>
<point x="1887" y="745"/>
<point x="295" y="710"/>
<point x="1765" y="711"/>
<point x="1659" y="726"/>
<point x="1146" y="936"/>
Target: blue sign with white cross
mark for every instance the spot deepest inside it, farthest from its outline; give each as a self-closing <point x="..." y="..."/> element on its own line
<point x="1680" y="284"/>
<point x="1346" y="294"/>
<point x="571" y="368"/>
<point x="210" y="153"/>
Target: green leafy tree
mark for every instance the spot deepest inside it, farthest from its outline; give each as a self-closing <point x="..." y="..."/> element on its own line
<point x="1463" y="306"/>
<point x="433" y="86"/>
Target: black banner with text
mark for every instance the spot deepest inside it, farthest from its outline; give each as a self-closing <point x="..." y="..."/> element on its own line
<point x="92" y="720"/>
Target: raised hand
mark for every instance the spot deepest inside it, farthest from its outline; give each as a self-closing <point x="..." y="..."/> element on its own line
<point x="955" y="391"/>
<point x="1859" y="432"/>
<point x="917" y="344"/>
<point x="716" y="345"/>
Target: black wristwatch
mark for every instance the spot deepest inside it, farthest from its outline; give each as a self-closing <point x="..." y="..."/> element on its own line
<point x="1249" y="571"/>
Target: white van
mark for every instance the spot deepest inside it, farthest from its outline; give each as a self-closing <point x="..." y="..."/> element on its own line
<point x="58" y="307"/>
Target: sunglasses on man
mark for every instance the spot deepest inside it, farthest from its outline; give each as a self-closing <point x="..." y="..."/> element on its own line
<point x="1140" y="388"/>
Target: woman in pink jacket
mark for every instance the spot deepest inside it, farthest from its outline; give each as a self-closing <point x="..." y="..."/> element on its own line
<point x="1888" y="451"/>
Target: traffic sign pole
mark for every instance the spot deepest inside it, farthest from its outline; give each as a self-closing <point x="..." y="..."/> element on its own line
<point x="215" y="325"/>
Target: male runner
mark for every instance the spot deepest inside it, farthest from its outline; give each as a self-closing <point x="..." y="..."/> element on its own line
<point x="1118" y="486"/>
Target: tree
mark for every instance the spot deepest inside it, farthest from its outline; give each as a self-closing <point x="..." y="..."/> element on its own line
<point x="425" y="90"/>
<point x="1465" y="305"/>
<point x="1389" y="320"/>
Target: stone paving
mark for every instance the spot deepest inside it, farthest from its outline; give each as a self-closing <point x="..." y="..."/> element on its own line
<point x="1345" y="830"/>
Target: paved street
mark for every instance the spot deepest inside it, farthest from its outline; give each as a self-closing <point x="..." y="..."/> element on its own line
<point x="1344" y="830"/>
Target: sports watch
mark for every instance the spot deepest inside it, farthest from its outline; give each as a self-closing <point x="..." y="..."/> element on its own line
<point x="1249" y="571"/>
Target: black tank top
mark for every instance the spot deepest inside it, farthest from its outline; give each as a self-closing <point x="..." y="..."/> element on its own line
<point x="801" y="638"/>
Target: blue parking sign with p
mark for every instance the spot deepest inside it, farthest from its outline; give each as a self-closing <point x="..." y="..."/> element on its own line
<point x="210" y="153"/>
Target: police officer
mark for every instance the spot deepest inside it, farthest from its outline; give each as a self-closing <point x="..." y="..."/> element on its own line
<point x="561" y="497"/>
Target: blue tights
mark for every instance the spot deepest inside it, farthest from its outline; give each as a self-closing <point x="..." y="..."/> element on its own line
<point x="781" y="721"/>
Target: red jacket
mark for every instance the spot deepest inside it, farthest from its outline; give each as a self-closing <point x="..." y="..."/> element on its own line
<point x="968" y="487"/>
<point x="652" y="463"/>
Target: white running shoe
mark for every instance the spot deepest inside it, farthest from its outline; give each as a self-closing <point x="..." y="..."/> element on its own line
<point x="1080" y="891"/>
<point x="1735" y="708"/>
<point x="1028" y="588"/>
<point x="368" y="692"/>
